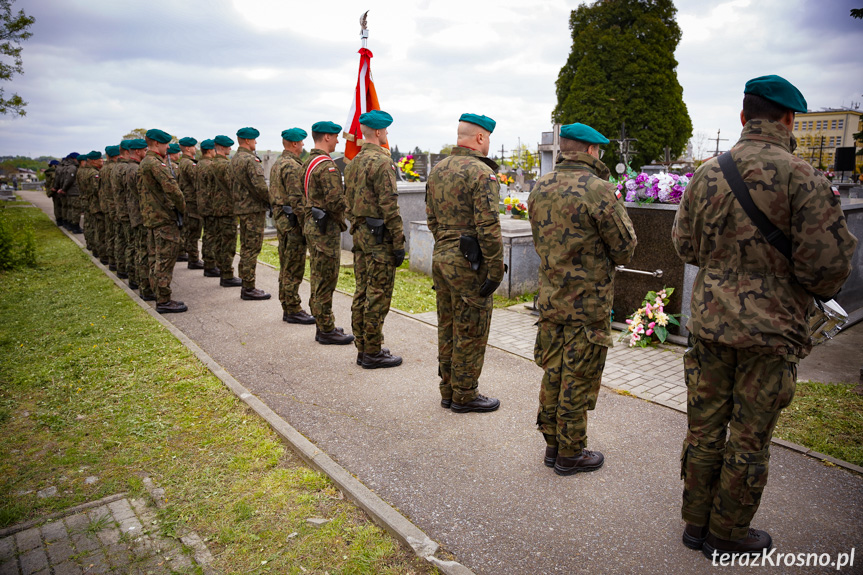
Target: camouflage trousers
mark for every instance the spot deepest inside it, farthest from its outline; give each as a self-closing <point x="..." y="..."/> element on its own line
<point x="107" y="239"/>
<point x="743" y="392"/>
<point x="64" y="206"/>
<point x="163" y="248"/>
<point x="120" y="247"/>
<point x="192" y="226"/>
<point x="463" y="323"/>
<point x="208" y="240"/>
<point x="126" y="250"/>
<point x="573" y="366"/>
<point x="324" y="253"/>
<point x="225" y="244"/>
<point x="251" y="240"/>
<point x="375" y="276"/>
<point x="292" y="262"/>
<point x="58" y="206"/>
<point x="94" y="225"/>
<point x="142" y="258"/>
<point x="73" y="210"/>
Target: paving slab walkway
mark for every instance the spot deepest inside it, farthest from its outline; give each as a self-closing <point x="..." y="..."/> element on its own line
<point x="475" y="483"/>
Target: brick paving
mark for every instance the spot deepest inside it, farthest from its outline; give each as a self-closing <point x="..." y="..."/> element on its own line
<point x="117" y="537"/>
<point x="654" y="374"/>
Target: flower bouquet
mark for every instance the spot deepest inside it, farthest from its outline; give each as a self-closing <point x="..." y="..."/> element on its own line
<point x="515" y="208"/>
<point x="406" y="165"/>
<point x="644" y="188"/>
<point x="650" y="322"/>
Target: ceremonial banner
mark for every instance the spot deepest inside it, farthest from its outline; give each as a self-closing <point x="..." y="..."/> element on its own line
<point x="365" y="98"/>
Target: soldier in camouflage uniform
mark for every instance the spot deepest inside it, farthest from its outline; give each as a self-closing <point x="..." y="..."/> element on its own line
<point x="204" y="184"/>
<point x="222" y="207"/>
<point x="74" y="202"/>
<point x="462" y="196"/>
<point x="51" y="191"/>
<point x="140" y="257"/>
<point x="123" y="230"/>
<point x="89" y="183"/>
<point x="67" y="188"/>
<point x="379" y="239"/>
<point x="749" y="312"/>
<point x="581" y="231"/>
<point x="325" y="221"/>
<point x="192" y="222"/>
<point x="162" y="204"/>
<point x="106" y="204"/>
<point x="251" y="202"/>
<point x="286" y="199"/>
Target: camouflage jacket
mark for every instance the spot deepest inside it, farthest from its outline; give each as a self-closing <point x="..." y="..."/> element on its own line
<point x="746" y="293"/>
<point x="203" y="175"/>
<point x="88" y="184"/>
<point x="133" y="196"/>
<point x="118" y="183"/>
<point x="106" y="189"/>
<point x="249" y="186"/>
<point x="64" y="177"/>
<point x="219" y="192"/>
<point x="462" y="197"/>
<point x="581" y="231"/>
<point x="286" y="185"/>
<point x="49" y="180"/>
<point x="325" y="189"/>
<point x="160" y="196"/>
<point x="371" y="192"/>
<point x="188" y="180"/>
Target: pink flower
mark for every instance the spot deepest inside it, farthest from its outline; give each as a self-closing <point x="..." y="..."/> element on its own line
<point x="651" y="325"/>
<point x="649" y="332"/>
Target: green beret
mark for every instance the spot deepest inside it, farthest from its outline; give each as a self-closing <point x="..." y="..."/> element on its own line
<point x="94" y="155"/>
<point x="248" y="133"/>
<point x="223" y="141"/>
<point x="483" y="122"/>
<point x="137" y="144"/>
<point x="124" y="145"/>
<point x="208" y="145"/>
<point x="174" y="148"/>
<point x="159" y="136"/>
<point x="82" y="158"/>
<point x="294" y="135"/>
<point x="326" y="128"/>
<point x="778" y="90"/>
<point x="582" y="133"/>
<point x="376" y="119"/>
<point x="112" y="151"/>
<point x="188" y="141"/>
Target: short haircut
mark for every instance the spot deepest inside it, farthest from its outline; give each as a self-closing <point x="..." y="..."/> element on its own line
<point x="759" y="108"/>
<point x="318" y="136"/>
<point x="567" y="145"/>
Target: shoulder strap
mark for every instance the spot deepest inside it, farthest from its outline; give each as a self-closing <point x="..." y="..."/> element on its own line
<point x="741" y="191"/>
<point x="316" y="161"/>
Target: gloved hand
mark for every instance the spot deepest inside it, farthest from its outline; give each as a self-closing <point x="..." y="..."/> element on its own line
<point x="487" y="288"/>
<point x="399" y="257"/>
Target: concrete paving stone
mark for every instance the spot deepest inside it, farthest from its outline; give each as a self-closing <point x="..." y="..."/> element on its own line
<point x="121" y="510"/>
<point x="151" y="566"/>
<point x="144" y="546"/>
<point x="76" y="523"/>
<point x="179" y="561"/>
<point x="119" y="554"/>
<point x="131" y="526"/>
<point x="33" y="561"/>
<point x="95" y="563"/>
<point x="109" y="536"/>
<point x="28" y="539"/>
<point x="59" y="551"/>
<point x="67" y="568"/>
<point x="9" y="567"/>
<point x="85" y="542"/>
<point x="54" y="531"/>
<point x="7" y="547"/>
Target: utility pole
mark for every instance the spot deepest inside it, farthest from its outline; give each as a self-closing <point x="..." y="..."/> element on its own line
<point x="718" y="139"/>
<point x="820" y="152"/>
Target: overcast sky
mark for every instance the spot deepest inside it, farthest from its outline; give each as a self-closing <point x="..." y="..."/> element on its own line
<point x="95" y="69"/>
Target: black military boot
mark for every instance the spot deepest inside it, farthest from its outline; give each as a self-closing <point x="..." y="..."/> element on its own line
<point x="298" y="317"/>
<point x="335" y="337"/>
<point x="254" y="294"/>
<point x="112" y="267"/>
<point x="123" y="275"/>
<point x="147" y="296"/>
<point x="171" y="307"/>
<point x="212" y="273"/>
<point x="584" y="461"/>
<point x="361" y="354"/>
<point x="183" y="257"/>
<point x="481" y="403"/>
<point x="446" y="402"/>
<point x="693" y="535"/>
<point x="756" y="542"/>
<point x="383" y="358"/>
<point x="104" y="261"/>
<point x="232" y="282"/>
<point x="76" y="229"/>
<point x="550" y="455"/>
<point x="133" y="285"/>
<point x="196" y="265"/>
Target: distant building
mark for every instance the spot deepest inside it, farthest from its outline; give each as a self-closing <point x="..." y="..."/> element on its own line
<point x="819" y="134"/>
<point x="549" y="146"/>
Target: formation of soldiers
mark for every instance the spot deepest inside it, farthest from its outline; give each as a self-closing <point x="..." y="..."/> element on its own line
<point x="149" y="202"/>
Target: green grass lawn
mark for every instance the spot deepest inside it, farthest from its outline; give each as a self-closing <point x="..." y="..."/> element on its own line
<point x="91" y="385"/>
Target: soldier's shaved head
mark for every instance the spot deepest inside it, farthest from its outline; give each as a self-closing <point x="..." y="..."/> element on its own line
<point x="567" y="145"/>
<point x="473" y="137"/>
<point x="374" y="136"/>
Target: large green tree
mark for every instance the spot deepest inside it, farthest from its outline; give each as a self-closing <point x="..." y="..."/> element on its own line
<point x="13" y="31"/>
<point x="622" y="68"/>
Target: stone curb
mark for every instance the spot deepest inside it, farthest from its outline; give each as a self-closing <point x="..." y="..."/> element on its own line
<point x="66" y="512"/>
<point x="383" y="514"/>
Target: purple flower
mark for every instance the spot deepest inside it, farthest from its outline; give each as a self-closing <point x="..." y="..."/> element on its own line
<point x="631" y="196"/>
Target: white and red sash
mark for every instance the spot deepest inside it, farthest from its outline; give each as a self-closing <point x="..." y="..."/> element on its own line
<point x="318" y="160"/>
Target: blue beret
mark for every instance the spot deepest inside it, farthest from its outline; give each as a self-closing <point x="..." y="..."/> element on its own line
<point x="223" y="141"/>
<point x="582" y="133"/>
<point x="376" y="119"/>
<point x="53" y="163"/>
<point x="174" y="148"/>
<point x="326" y="128"/>
<point x="294" y="135"/>
<point x="188" y="141"/>
<point x="137" y="144"/>
<point x="159" y="136"/>
<point x="112" y="151"/>
<point x="778" y="90"/>
<point x="208" y="145"/>
<point x="248" y="133"/>
<point x="483" y="122"/>
<point x="72" y="155"/>
<point x="94" y="155"/>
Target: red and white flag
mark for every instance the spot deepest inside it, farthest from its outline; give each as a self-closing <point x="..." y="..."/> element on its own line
<point x="365" y="99"/>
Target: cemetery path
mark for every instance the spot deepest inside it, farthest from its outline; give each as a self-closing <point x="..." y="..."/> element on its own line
<point x="476" y="483"/>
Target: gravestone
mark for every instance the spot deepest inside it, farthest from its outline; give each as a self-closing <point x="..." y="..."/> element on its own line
<point x="435" y="158"/>
<point x="421" y="165"/>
